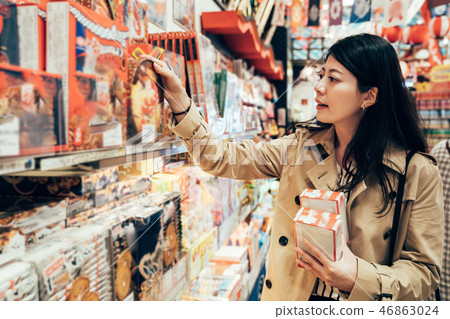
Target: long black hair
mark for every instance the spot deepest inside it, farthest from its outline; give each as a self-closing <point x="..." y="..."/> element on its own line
<point x="393" y="118"/>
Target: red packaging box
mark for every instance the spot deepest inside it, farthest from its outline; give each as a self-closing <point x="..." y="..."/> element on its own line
<point x="31" y="112"/>
<point x="327" y="201"/>
<point x="145" y="101"/>
<point x="321" y="229"/>
<point x="89" y="51"/>
<point x="137" y="22"/>
<point x="22" y="33"/>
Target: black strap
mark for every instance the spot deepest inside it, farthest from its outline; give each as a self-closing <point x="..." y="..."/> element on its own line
<point x="397" y="212"/>
<point x="398" y="208"/>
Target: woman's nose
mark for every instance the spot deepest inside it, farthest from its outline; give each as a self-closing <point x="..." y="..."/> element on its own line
<point x="319" y="88"/>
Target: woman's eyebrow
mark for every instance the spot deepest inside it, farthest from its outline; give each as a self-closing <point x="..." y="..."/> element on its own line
<point x="332" y="70"/>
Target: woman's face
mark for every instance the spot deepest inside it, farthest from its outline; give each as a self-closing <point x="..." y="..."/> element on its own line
<point x="337" y="96"/>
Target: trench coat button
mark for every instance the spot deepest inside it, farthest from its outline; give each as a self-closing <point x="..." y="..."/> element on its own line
<point x="297" y="200"/>
<point x="268" y="283"/>
<point x="283" y="240"/>
<point x="392" y="195"/>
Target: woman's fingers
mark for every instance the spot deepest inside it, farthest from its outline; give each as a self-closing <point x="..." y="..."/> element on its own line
<point x="310" y="260"/>
<point x="316" y="252"/>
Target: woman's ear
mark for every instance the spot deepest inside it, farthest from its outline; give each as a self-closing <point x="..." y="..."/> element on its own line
<point x="371" y="97"/>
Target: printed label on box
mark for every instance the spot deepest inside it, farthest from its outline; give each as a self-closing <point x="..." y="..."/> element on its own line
<point x="113" y="137"/>
<point x="9" y="136"/>
<point x="27" y="17"/>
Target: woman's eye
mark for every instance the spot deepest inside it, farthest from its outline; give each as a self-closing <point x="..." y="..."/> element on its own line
<point x="332" y="79"/>
<point x="320" y="76"/>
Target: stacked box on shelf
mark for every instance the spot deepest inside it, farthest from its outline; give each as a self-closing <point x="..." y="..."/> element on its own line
<point x="88" y="49"/>
<point x="214" y="288"/>
<point x="12" y="244"/>
<point x="73" y="265"/>
<point x="31" y="112"/>
<point x="36" y="218"/>
<point x="22" y="36"/>
<point x="18" y="282"/>
<point x="145" y="96"/>
<point x="172" y="226"/>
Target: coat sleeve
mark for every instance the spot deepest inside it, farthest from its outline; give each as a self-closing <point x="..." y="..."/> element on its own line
<point x="415" y="274"/>
<point x="238" y="160"/>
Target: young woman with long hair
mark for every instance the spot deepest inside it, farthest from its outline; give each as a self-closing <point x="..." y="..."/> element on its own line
<point x="366" y="124"/>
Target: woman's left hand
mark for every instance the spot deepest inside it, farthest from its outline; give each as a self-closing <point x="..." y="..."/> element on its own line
<point x="338" y="274"/>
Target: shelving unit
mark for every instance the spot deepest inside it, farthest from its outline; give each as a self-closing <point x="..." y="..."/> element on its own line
<point x="241" y="37"/>
<point x="104" y="157"/>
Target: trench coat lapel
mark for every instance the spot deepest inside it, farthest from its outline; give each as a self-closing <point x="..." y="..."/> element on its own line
<point x="324" y="174"/>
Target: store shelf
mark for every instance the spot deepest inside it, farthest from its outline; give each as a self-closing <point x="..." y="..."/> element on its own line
<point x="13" y="165"/>
<point x="241" y="37"/>
<point x="104" y="157"/>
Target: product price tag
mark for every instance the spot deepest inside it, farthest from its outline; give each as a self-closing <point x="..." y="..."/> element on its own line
<point x="9" y="137"/>
<point x="113" y="137"/>
<point x="55" y="275"/>
<point x="148" y="133"/>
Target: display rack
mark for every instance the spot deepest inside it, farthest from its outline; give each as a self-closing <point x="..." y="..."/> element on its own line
<point x="225" y="231"/>
<point x="241" y="37"/>
<point x="103" y="157"/>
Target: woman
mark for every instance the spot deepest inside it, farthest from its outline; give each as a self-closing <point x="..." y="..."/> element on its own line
<point x="367" y="122"/>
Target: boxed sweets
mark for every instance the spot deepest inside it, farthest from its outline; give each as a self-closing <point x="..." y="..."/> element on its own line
<point x="89" y="49"/>
<point x="148" y="273"/>
<point x="18" y="282"/>
<point x="214" y="287"/>
<point x="36" y="217"/>
<point x="12" y="244"/>
<point x="22" y="33"/>
<point x="136" y="20"/>
<point x="73" y="265"/>
<point x="145" y="101"/>
<point x="322" y="229"/>
<point x="31" y="112"/>
<point x="172" y="228"/>
<point x="65" y="183"/>
<point x="326" y="201"/>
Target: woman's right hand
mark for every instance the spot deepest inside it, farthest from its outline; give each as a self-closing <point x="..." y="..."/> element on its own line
<point x="174" y="91"/>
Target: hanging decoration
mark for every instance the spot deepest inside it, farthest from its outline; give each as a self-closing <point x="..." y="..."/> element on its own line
<point x="314" y="13"/>
<point x="361" y="11"/>
<point x="395" y="12"/>
<point x="296" y="15"/>
<point x="439" y="26"/>
<point x="435" y="52"/>
<point x="393" y="34"/>
<point x="418" y="34"/>
<point x="336" y="12"/>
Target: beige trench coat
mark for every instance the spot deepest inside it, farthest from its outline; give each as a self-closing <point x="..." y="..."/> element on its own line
<point x="307" y="160"/>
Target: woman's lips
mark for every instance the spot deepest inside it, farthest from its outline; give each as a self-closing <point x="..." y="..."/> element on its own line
<point x="321" y="106"/>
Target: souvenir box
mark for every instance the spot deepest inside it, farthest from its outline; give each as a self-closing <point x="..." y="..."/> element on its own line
<point x="172" y="228"/>
<point x="321" y="229"/>
<point x="12" y="244"/>
<point x="148" y="277"/>
<point x="31" y="112"/>
<point x="214" y="287"/>
<point x="89" y="50"/>
<point x="22" y="35"/>
<point x="66" y="183"/>
<point x="145" y="102"/>
<point x="18" y="282"/>
<point x="36" y="217"/>
<point x="326" y="201"/>
<point x="73" y="265"/>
